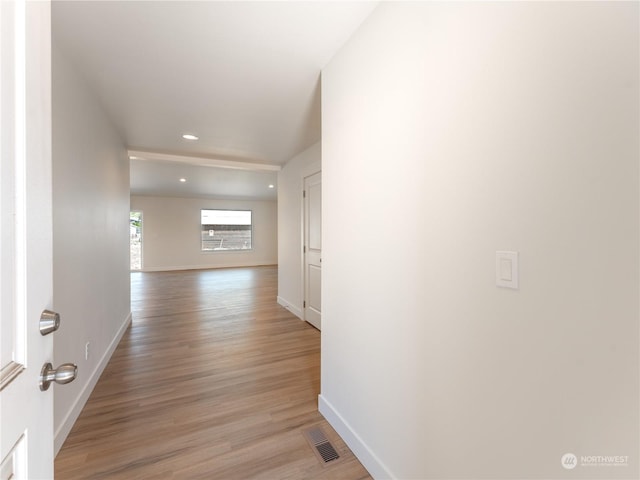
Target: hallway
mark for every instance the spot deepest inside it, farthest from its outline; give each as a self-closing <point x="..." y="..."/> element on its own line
<point x="213" y="380"/>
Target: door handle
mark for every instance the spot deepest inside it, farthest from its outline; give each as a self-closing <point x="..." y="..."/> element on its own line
<point x="65" y="373"/>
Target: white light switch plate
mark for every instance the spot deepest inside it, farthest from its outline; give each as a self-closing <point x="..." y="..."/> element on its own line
<point x="507" y="269"/>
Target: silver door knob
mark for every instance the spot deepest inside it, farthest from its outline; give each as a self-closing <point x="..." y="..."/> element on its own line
<point x="65" y="373"/>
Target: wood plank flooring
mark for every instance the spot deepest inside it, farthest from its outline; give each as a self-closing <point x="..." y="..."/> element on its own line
<point x="213" y="380"/>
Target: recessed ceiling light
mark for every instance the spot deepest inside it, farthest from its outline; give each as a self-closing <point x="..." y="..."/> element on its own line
<point x="188" y="136"/>
<point x="183" y="180"/>
<point x="272" y="186"/>
<point x="134" y="158"/>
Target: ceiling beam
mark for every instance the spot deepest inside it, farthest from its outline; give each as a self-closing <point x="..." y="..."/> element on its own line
<point x="202" y="161"/>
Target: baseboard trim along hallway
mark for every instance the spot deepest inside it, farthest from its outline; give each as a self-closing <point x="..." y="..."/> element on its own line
<point x="371" y="462"/>
<point x="67" y="424"/>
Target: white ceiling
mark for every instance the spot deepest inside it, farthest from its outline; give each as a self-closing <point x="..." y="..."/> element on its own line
<point x="243" y="76"/>
<point x="163" y="178"/>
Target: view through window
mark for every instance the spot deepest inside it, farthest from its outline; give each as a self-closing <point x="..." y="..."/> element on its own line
<point x="226" y="229"/>
<point x="135" y="240"/>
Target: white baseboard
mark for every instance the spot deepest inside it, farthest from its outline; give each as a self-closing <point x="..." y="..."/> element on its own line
<point x="369" y="460"/>
<point x="74" y="412"/>
<point x="208" y="267"/>
<point x="291" y="307"/>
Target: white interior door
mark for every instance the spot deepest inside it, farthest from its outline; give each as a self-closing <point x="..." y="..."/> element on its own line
<point x="26" y="432"/>
<point x="313" y="249"/>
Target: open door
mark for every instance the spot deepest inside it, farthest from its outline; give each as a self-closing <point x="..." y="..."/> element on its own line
<point x="26" y="411"/>
<point x="313" y="249"/>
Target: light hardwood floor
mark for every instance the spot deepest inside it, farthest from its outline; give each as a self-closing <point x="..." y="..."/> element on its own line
<point x="213" y="380"/>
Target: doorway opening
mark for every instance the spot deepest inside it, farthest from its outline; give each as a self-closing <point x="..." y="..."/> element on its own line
<point x="135" y="240"/>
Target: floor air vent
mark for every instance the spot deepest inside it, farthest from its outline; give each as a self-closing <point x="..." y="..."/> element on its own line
<point x="320" y="445"/>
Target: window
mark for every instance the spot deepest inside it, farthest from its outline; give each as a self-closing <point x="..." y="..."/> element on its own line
<point x="225" y="230"/>
<point x="135" y="240"/>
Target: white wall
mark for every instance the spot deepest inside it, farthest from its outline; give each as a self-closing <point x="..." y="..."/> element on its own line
<point x="171" y="233"/>
<point x="90" y="238"/>
<point x="290" y="184"/>
<point x="451" y="131"/>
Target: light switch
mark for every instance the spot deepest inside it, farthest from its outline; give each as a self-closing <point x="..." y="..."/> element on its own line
<point x="507" y="269"/>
